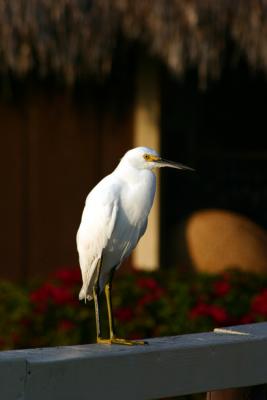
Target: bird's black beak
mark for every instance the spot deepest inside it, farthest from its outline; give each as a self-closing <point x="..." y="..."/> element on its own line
<point x="171" y="164"/>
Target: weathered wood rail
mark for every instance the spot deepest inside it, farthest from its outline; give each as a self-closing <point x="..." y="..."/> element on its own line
<point x="166" y="367"/>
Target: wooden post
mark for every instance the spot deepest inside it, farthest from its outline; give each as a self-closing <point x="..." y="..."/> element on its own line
<point x="147" y="133"/>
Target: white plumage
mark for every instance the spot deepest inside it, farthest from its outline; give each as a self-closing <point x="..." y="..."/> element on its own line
<point x="115" y="217"/>
<point x="113" y="220"/>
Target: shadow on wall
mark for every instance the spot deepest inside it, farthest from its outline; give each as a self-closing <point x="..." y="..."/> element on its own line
<point x="214" y="240"/>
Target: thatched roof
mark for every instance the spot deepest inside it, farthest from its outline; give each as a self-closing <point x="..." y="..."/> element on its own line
<point x="78" y="38"/>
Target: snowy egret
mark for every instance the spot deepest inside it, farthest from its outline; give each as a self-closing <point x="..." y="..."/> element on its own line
<point x="113" y="220"/>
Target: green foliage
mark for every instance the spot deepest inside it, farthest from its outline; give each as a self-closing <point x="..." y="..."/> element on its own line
<point x="145" y="305"/>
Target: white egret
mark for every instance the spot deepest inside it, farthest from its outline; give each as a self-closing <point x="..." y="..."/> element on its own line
<point x="113" y="220"/>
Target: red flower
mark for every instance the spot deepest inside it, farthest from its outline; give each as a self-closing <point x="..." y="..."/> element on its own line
<point x="155" y="292"/>
<point x="147" y="283"/>
<point x="221" y="288"/>
<point x="25" y="321"/>
<point x="259" y="303"/>
<point x="247" y="319"/>
<point x="68" y="276"/>
<point x="150" y="297"/>
<point x="61" y="295"/>
<point x="199" y="310"/>
<point x="40" y="298"/>
<point x="15" y="338"/>
<point x="135" y="336"/>
<point x="226" y="275"/>
<point x="41" y="294"/>
<point x="217" y="313"/>
<point x="123" y="314"/>
<point x="51" y="293"/>
<point x="65" y="325"/>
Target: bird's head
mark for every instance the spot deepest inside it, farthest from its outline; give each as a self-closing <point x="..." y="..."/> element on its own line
<point x="146" y="158"/>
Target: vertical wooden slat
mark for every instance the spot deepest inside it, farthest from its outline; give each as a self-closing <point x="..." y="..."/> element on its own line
<point x="12" y="190"/>
<point x="72" y="146"/>
<point x="24" y="209"/>
<point x="54" y="150"/>
<point x="63" y="168"/>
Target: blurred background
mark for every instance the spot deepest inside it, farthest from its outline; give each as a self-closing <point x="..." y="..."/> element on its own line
<point x="84" y="81"/>
<point x="81" y="82"/>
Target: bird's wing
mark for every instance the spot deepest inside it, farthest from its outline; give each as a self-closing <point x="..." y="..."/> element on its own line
<point x="97" y="224"/>
<point x="133" y="238"/>
<point x="143" y="229"/>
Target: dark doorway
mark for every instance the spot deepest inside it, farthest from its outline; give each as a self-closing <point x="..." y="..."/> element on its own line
<point x="222" y="132"/>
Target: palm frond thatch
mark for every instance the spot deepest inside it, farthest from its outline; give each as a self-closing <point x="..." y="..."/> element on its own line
<point x="77" y="38"/>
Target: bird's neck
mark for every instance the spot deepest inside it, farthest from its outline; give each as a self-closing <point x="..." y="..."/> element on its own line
<point x="129" y="173"/>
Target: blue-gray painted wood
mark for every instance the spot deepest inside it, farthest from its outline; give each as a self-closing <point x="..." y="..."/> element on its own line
<point x="165" y="367"/>
<point x="12" y="377"/>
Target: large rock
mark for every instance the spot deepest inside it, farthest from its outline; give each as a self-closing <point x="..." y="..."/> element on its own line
<point x="219" y="239"/>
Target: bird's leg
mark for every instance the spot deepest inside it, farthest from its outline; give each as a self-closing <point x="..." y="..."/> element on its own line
<point x="96" y="301"/>
<point x="97" y="319"/>
<point x="109" y="309"/>
<point x="112" y="337"/>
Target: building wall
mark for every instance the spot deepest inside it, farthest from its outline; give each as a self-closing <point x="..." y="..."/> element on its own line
<point x="55" y="147"/>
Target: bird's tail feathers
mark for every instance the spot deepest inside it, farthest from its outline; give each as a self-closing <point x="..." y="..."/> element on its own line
<point x="89" y="276"/>
<point x="83" y="295"/>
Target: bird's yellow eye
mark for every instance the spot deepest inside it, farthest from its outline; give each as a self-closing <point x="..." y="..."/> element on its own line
<point x="147" y="157"/>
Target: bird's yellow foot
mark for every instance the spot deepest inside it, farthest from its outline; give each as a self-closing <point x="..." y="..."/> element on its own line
<point x="125" y="342"/>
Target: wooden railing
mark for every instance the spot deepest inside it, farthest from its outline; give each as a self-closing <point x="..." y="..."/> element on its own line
<point x="171" y="366"/>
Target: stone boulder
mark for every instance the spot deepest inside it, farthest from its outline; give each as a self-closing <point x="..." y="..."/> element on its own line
<point x="216" y="240"/>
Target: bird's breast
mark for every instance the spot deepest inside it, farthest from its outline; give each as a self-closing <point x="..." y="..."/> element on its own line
<point x="137" y="198"/>
<point x="135" y="202"/>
